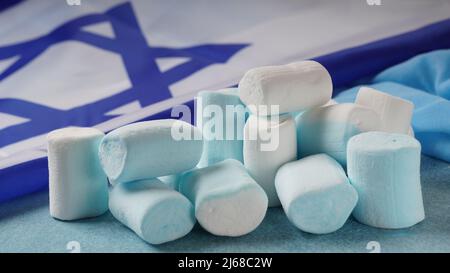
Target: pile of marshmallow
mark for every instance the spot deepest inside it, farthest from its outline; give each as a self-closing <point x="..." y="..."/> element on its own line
<point x="325" y="162"/>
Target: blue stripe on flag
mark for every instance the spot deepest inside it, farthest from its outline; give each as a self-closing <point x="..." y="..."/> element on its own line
<point x="6" y="4"/>
<point x="352" y="64"/>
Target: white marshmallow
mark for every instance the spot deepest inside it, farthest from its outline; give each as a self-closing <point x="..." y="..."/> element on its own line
<point x="327" y="129"/>
<point x="395" y="113"/>
<point x="269" y="142"/>
<point x="411" y="132"/>
<point x="293" y="87"/>
<point x="78" y="186"/>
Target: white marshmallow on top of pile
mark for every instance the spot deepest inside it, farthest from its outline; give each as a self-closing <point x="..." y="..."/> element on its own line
<point x="293" y="87"/>
<point x="395" y="113"/>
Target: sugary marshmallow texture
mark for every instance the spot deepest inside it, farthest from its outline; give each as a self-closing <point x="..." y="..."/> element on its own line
<point x="152" y="210"/>
<point x="395" y="113"/>
<point x="78" y="186"/>
<point x="269" y="142"/>
<point x="173" y="181"/>
<point x="315" y="193"/>
<point x="228" y="202"/>
<point x="149" y="149"/>
<point x="327" y="129"/>
<point x="220" y="109"/>
<point x="385" y="170"/>
<point x="293" y="87"/>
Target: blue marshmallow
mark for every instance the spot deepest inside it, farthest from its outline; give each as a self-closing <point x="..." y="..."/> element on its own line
<point x="327" y="129"/>
<point x="228" y="202"/>
<point x="150" y="149"/>
<point x="152" y="210"/>
<point x="173" y="181"/>
<point x="223" y="110"/>
<point x="385" y="170"/>
<point x="315" y="193"/>
<point x="78" y="187"/>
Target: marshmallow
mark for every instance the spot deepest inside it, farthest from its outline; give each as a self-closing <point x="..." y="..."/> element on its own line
<point x="269" y="142"/>
<point x="384" y="168"/>
<point x="77" y="184"/>
<point x="411" y="131"/>
<point x="293" y="87"/>
<point x="296" y="114"/>
<point x="172" y="181"/>
<point x="395" y="113"/>
<point x="228" y="202"/>
<point x="315" y="193"/>
<point x="221" y="115"/>
<point x="153" y="211"/>
<point x="150" y="149"/>
<point x="327" y="129"/>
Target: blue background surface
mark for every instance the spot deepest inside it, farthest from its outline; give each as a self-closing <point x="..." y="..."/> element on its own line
<point x="26" y="226"/>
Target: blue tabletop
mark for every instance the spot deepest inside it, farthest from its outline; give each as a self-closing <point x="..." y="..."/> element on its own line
<point x="26" y="226"/>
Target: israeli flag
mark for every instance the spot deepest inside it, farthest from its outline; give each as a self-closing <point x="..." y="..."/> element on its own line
<point x="109" y="63"/>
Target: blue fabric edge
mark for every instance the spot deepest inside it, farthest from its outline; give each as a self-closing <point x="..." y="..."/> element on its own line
<point x="345" y="66"/>
<point x="6" y="4"/>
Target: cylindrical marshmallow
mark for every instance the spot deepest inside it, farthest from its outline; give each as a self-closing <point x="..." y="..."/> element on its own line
<point x="228" y="202"/>
<point x="384" y="168"/>
<point x="77" y="184"/>
<point x="173" y="181"/>
<point x="221" y="116"/>
<point x="315" y="193"/>
<point x="411" y="131"/>
<point x="293" y="87"/>
<point x="327" y="129"/>
<point x="395" y="113"/>
<point x="152" y="210"/>
<point x="150" y="149"/>
<point x="269" y="142"/>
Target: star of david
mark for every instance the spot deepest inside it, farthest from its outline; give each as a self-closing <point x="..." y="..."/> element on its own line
<point x="148" y="83"/>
